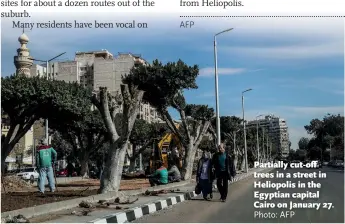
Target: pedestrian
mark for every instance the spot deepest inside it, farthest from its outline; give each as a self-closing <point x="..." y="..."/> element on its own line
<point x="224" y="170"/>
<point x="204" y="175"/>
<point x="45" y="158"/>
<point x="160" y="177"/>
<point x="174" y="172"/>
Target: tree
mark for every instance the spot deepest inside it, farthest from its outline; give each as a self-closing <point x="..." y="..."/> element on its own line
<point x="26" y="100"/>
<point x="86" y="136"/>
<point x="329" y="129"/>
<point x="303" y="143"/>
<point x="142" y="137"/>
<point x="207" y="144"/>
<point x="119" y="113"/>
<point x="163" y="86"/>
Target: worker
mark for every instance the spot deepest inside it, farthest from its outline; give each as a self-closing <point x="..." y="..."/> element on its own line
<point x="174" y="173"/>
<point x="204" y="175"/>
<point x="224" y="170"/>
<point x="160" y="177"/>
<point x="45" y="158"/>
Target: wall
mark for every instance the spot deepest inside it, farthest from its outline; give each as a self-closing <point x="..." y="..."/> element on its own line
<point x="68" y="71"/>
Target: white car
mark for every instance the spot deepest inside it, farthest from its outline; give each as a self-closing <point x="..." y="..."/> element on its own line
<point x="30" y="174"/>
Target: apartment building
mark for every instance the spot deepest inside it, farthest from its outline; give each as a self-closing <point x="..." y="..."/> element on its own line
<point x="94" y="69"/>
<point x="277" y="131"/>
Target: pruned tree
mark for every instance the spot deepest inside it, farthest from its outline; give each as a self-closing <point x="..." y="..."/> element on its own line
<point x="86" y="136"/>
<point x="163" y="86"/>
<point x="195" y="121"/>
<point x="26" y="100"/>
<point x="119" y="113"/>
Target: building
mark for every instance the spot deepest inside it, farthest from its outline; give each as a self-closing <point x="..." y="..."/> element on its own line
<point x="22" y="154"/>
<point x="37" y="70"/>
<point x="95" y="69"/>
<point x="277" y="131"/>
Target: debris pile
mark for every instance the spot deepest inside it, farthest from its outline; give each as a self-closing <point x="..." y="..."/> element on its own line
<point x="14" y="183"/>
<point x="125" y="200"/>
<point x="82" y="213"/>
<point x="15" y="219"/>
<point x="156" y="193"/>
<point x="86" y="204"/>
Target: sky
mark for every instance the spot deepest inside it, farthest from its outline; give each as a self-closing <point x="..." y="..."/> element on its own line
<point x="295" y="66"/>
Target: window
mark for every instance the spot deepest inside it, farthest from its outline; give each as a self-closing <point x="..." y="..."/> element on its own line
<point x="29" y="170"/>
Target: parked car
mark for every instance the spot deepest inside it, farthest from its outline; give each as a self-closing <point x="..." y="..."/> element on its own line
<point x="64" y="173"/>
<point x="336" y="163"/>
<point x="29" y="174"/>
<point x="339" y="163"/>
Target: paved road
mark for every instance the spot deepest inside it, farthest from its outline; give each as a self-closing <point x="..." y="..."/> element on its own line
<point x="239" y="206"/>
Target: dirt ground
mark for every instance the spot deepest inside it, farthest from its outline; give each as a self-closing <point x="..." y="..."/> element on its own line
<point x="30" y="196"/>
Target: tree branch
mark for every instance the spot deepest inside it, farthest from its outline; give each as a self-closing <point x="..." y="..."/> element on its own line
<point x="169" y="121"/>
<point x="137" y="152"/>
<point x="22" y="130"/>
<point x="202" y="133"/>
<point x="185" y="124"/>
<point x="212" y="131"/>
<point x="198" y="127"/>
<point x="104" y="109"/>
<point x="131" y="103"/>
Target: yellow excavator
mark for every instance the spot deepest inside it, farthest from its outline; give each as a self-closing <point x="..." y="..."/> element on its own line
<point x="163" y="147"/>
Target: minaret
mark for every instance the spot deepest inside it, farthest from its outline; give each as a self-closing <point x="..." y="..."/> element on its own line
<point x="23" y="60"/>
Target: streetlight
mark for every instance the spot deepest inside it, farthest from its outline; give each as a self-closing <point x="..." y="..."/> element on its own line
<point x="47" y="72"/>
<point x="257" y="135"/>
<point x="244" y="130"/>
<point x="216" y="83"/>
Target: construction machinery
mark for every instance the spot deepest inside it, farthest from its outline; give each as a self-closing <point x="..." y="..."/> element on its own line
<point x="165" y="149"/>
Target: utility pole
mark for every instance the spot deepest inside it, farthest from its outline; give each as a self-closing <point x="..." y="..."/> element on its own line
<point x="244" y="130"/>
<point x="216" y="82"/>
<point x="257" y="136"/>
<point x="47" y="77"/>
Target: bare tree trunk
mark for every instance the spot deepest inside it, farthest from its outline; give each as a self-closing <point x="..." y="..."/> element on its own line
<point x="243" y="163"/>
<point x="112" y="173"/>
<point x="84" y="163"/>
<point x="235" y="159"/>
<point x="187" y="168"/>
<point x="5" y="151"/>
<point x="132" y="164"/>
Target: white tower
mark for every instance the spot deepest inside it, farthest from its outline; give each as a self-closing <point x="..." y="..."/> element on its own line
<point x="23" y="60"/>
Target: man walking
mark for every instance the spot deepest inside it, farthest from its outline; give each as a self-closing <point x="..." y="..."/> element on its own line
<point x="45" y="158"/>
<point x="224" y="170"/>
